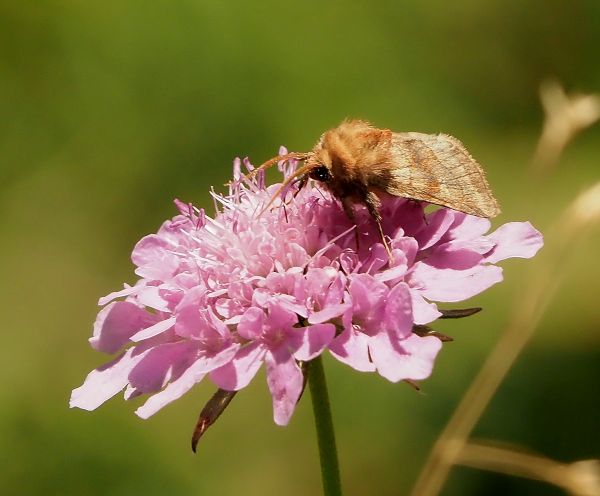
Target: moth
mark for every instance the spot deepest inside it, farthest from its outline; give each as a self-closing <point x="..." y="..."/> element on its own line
<point x="357" y="163"/>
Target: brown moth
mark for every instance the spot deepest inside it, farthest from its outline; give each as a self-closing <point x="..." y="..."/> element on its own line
<point x="356" y="161"/>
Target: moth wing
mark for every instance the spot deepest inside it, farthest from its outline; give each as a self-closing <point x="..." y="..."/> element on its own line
<point x="437" y="168"/>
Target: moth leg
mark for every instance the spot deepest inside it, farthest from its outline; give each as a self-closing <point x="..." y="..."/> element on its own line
<point x="372" y="203"/>
<point x="349" y="211"/>
<point x="301" y="182"/>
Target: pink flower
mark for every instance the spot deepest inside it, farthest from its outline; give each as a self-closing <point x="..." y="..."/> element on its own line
<point x="274" y="339"/>
<point x="220" y="296"/>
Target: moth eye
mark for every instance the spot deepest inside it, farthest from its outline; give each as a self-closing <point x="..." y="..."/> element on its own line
<point x="320" y="173"/>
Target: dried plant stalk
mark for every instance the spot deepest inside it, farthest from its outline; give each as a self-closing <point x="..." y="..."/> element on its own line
<point x="581" y="478"/>
<point x="582" y="214"/>
<point x="565" y="116"/>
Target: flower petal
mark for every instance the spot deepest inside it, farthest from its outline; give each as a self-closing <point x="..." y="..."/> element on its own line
<point x="104" y="382"/>
<point x="328" y="313"/>
<point x="160" y="365"/>
<point x="252" y="323"/>
<point x="398" y="319"/>
<point x="128" y="290"/>
<point x="423" y="311"/>
<point x="314" y="339"/>
<point x="176" y="389"/>
<point x="153" y="258"/>
<point x="515" y="239"/>
<point x="280" y="317"/>
<point x="452" y="285"/>
<point x="398" y="270"/>
<point x="147" y="249"/>
<point x="116" y="323"/>
<point x="158" y="328"/>
<point x="185" y="381"/>
<point x="238" y="373"/>
<point x="351" y="348"/>
<point x="437" y="225"/>
<point x="367" y="294"/>
<point x="285" y="381"/>
<point x="150" y="297"/>
<point x="411" y="358"/>
<point x="459" y="254"/>
<point x="467" y="226"/>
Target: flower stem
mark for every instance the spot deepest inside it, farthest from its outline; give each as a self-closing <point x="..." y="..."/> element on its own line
<point x="330" y="472"/>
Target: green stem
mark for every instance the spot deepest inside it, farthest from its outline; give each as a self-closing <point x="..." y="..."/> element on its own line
<point x="330" y="472"/>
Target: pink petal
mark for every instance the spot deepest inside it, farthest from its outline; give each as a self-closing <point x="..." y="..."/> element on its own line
<point x="150" y="297"/>
<point x="238" y="373"/>
<point x="438" y="223"/>
<point x="104" y="382"/>
<point x="148" y="249"/>
<point x="376" y="259"/>
<point x="423" y="311"/>
<point x="170" y="230"/>
<point x="280" y="317"/>
<point x="348" y="261"/>
<point x="366" y="293"/>
<point x="290" y="305"/>
<point x="182" y="384"/>
<point x="459" y="254"/>
<point x="294" y="256"/>
<point x="285" y="381"/>
<point x="228" y="308"/>
<point x="412" y="358"/>
<point x="173" y="391"/>
<point x="161" y="364"/>
<point x="328" y="313"/>
<point x="262" y="298"/>
<point x="192" y="319"/>
<point x="283" y="282"/>
<point x="154" y="330"/>
<point x="233" y="320"/>
<point x="408" y="246"/>
<point x="406" y="213"/>
<point x="116" y="323"/>
<point x="128" y="290"/>
<point x="515" y="239"/>
<point x="193" y="297"/>
<point x="398" y="270"/>
<point x="452" y="285"/>
<point x="153" y="258"/>
<point x="398" y="319"/>
<point x="468" y="226"/>
<point x="252" y="323"/>
<point x="351" y="348"/>
<point x="218" y="325"/>
<point x="314" y="339"/>
<point x="161" y="270"/>
<point x="335" y="292"/>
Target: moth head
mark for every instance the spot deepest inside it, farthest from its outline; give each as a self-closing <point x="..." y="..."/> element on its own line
<point x="320" y="173"/>
<point x="319" y="165"/>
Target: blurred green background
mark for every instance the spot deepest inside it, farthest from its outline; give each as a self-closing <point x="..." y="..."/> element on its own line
<point x="109" y="110"/>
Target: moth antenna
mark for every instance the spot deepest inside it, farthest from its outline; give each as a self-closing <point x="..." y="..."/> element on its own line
<point x="274" y="160"/>
<point x="287" y="181"/>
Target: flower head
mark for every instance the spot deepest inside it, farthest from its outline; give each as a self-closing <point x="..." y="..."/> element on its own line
<point x="220" y="297"/>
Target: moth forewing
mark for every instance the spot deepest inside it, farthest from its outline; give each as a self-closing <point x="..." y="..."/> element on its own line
<point x="437" y="168"/>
